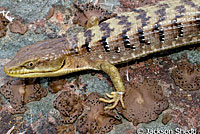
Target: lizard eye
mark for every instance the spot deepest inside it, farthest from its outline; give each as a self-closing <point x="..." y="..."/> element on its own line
<point x="29" y="65"/>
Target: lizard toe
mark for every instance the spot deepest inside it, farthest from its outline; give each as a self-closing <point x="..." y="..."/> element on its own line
<point x="115" y="98"/>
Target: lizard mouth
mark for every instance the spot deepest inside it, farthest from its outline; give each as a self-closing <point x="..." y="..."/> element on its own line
<point x="22" y="74"/>
<point x="46" y="74"/>
<point x="31" y="74"/>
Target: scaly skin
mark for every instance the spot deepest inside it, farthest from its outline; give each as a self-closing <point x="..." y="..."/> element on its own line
<point x="127" y="36"/>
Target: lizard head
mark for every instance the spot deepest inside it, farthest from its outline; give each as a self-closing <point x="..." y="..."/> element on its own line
<point x="43" y="59"/>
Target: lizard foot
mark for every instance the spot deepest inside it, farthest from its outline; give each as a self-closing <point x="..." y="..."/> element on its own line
<point x="116" y="97"/>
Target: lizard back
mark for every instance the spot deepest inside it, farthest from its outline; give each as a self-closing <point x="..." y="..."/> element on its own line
<point x="149" y="29"/>
<point x="127" y="36"/>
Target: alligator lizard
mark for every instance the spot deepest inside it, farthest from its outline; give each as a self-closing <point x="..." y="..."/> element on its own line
<point x="131" y="35"/>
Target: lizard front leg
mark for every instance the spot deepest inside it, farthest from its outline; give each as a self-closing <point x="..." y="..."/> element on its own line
<point x="117" y="96"/>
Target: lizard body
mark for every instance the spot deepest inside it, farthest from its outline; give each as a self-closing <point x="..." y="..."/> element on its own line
<point x="131" y="35"/>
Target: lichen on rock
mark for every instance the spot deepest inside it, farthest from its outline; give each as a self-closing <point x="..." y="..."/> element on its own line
<point x="22" y="91"/>
<point x="56" y="84"/>
<point x="18" y="27"/>
<point x="7" y="121"/>
<point x="65" y="129"/>
<point x="186" y="76"/>
<point x="96" y="120"/>
<point x="69" y="105"/>
<point x="143" y="101"/>
<point x="89" y="15"/>
<point x="3" y="25"/>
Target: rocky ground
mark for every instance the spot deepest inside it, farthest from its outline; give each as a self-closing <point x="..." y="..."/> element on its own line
<point x="162" y="90"/>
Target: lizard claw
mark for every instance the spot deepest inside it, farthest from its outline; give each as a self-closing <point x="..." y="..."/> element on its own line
<point x="115" y="98"/>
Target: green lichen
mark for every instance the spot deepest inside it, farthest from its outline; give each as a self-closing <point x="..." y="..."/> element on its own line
<point x="95" y="85"/>
<point x="193" y="56"/>
<point x="44" y="108"/>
